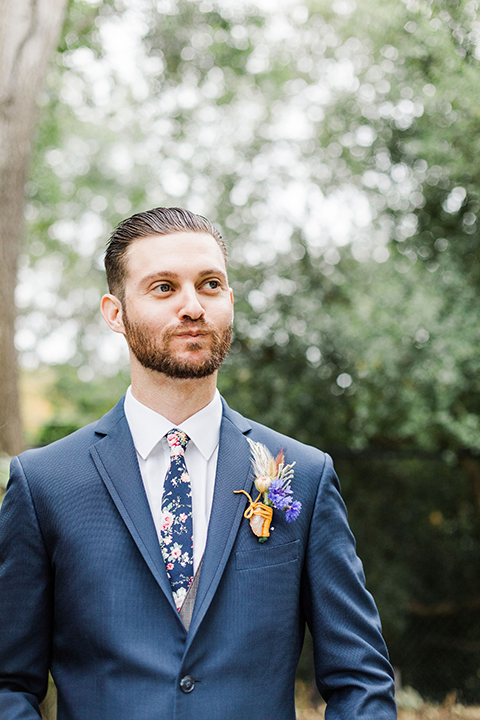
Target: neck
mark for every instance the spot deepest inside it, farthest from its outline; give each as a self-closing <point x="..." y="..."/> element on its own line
<point x="175" y="399"/>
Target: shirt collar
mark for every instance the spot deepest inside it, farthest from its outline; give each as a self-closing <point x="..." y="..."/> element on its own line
<point x="149" y="427"/>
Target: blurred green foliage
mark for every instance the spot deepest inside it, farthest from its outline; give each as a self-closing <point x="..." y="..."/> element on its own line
<point x="336" y="146"/>
<point x="4" y="472"/>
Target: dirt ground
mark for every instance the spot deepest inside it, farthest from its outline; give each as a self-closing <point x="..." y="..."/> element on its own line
<point x="426" y="712"/>
<point x="307" y="708"/>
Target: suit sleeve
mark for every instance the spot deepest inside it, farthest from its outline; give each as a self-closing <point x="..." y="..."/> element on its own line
<point x="25" y="603"/>
<point x="351" y="661"/>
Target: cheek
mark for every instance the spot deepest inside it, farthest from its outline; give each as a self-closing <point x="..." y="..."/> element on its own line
<point x="225" y="313"/>
<point x="224" y="319"/>
<point x="151" y="325"/>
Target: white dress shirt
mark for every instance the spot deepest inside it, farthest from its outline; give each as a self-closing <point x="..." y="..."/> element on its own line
<point x="148" y="430"/>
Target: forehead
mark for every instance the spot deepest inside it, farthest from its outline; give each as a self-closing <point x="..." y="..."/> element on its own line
<point x="177" y="252"/>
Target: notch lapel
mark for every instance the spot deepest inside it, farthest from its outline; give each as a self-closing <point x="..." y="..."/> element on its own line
<point x="233" y="473"/>
<point x="115" y="458"/>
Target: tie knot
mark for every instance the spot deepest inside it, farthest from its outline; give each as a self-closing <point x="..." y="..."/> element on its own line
<point x="177" y="441"/>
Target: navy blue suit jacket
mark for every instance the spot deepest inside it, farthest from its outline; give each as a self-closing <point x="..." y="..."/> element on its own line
<point x="84" y="592"/>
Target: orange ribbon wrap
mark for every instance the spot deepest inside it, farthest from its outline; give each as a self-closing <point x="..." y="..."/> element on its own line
<point x="259" y="514"/>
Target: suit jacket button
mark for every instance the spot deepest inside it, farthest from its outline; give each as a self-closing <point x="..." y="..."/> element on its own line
<point x="187" y="684"/>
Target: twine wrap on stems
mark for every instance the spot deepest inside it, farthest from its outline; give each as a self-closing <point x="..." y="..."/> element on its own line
<point x="260" y="516"/>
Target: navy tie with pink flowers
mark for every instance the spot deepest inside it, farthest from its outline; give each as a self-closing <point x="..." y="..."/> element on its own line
<point x="177" y="521"/>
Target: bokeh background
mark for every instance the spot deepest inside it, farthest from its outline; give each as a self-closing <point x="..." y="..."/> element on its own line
<point x="336" y="145"/>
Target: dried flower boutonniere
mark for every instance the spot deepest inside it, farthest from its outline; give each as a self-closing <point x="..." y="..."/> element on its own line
<point x="272" y="480"/>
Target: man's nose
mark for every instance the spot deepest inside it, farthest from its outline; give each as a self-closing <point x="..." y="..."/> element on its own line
<point x="190" y="306"/>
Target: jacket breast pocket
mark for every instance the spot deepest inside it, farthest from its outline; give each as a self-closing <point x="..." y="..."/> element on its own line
<point x="266" y="556"/>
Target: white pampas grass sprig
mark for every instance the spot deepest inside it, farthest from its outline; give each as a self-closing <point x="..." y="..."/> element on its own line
<point x="266" y="466"/>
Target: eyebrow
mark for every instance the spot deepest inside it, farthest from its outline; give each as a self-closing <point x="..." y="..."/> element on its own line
<point x="213" y="271"/>
<point x="169" y="275"/>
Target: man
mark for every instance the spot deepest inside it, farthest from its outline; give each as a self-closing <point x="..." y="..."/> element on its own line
<point x="127" y="566"/>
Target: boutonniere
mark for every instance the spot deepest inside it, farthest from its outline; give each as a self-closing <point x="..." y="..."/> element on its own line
<point x="272" y="480"/>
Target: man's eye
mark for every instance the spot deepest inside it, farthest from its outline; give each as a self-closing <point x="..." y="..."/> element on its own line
<point x="213" y="284"/>
<point x="163" y="288"/>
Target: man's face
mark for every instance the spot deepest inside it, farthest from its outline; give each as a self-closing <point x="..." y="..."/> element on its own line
<point x="178" y="308"/>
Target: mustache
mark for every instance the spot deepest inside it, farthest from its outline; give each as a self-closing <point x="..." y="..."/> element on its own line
<point x="186" y="326"/>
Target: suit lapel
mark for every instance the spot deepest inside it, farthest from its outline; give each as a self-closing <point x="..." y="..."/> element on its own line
<point x="233" y="473"/>
<point x="116" y="460"/>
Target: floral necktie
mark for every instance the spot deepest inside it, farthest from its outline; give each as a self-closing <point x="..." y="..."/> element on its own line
<point x="177" y="522"/>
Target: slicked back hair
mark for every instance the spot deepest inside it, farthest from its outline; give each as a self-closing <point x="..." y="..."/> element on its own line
<point x="159" y="221"/>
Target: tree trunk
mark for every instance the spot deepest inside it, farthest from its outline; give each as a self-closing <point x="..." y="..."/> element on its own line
<point x="29" y="31"/>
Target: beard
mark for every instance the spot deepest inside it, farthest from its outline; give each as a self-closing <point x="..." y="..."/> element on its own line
<point x="154" y="351"/>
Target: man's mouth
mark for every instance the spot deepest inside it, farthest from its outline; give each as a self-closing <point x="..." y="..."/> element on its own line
<point x="191" y="333"/>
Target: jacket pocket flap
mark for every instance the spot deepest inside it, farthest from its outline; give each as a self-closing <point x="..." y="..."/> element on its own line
<point x="265" y="556"/>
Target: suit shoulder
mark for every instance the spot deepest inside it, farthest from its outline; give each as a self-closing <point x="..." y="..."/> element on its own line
<point x="276" y="441"/>
<point x="71" y="446"/>
<point x="56" y="452"/>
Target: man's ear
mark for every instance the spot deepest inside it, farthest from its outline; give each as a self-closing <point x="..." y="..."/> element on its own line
<point x="112" y="312"/>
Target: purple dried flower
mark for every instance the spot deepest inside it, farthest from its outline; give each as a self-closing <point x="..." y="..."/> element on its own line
<point x="293" y="511"/>
<point x="279" y="495"/>
<point x="277" y="484"/>
<point x="278" y="498"/>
